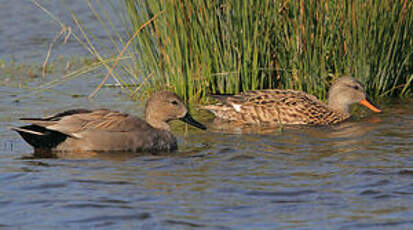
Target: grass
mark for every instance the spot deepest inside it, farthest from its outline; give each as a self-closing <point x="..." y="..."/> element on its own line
<point x="102" y="56"/>
<point x="228" y="46"/>
<point x="29" y="76"/>
<point x="198" y="47"/>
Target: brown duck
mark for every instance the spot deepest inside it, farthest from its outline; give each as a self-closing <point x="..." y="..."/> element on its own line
<point x="100" y="130"/>
<point x="290" y="107"/>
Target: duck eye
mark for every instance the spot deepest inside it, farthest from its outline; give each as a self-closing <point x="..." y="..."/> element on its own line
<point x="174" y="102"/>
<point x="356" y="87"/>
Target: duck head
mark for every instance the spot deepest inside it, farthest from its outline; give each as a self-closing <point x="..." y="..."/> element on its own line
<point x="165" y="106"/>
<point x="346" y="91"/>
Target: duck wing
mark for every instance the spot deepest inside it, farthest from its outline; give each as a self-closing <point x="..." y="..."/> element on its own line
<point x="276" y="96"/>
<point x="72" y="122"/>
<point x="272" y="106"/>
<point x="268" y="98"/>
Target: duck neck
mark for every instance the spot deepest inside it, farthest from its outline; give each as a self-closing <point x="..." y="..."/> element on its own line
<point x="336" y="105"/>
<point x="157" y="124"/>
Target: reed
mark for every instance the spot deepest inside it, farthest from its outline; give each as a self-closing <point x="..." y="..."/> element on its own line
<point x="198" y="47"/>
<point x="227" y="46"/>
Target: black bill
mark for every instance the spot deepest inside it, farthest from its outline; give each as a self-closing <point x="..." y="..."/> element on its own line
<point x="188" y="119"/>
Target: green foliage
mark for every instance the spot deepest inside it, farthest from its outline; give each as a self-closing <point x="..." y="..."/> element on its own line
<point x="196" y="47"/>
<point x="227" y="46"/>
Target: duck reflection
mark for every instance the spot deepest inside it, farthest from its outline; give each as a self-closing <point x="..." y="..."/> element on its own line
<point x="115" y="155"/>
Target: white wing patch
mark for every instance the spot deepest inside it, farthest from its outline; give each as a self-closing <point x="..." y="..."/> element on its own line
<point x="27" y="131"/>
<point x="236" y="107"/>
<point x="77" y="135"/>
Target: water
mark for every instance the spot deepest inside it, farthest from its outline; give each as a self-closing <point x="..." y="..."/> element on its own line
<point x="357" y="175"/>
<point x="27" y="31"/>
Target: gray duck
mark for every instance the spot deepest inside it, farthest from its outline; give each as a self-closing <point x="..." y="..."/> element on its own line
<point x="104" y="130"/>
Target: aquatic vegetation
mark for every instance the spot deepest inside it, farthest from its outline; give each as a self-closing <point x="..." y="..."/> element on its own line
<point x="200" y="47"/>
<point x="230" y="46"/>
<point x="13" y="72"/>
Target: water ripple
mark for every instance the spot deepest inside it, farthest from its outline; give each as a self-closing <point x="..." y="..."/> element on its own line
<point x="184" y="223"/>
<point x="111" y="218"/>
<point x="101" y="182"/>
<point x="283" y="193"/>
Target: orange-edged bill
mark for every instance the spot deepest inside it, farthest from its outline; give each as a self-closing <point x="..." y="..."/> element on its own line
<point x="370" y="106"/>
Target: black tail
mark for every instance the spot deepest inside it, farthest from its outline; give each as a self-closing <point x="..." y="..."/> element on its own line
<point x="40" y="137"/>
